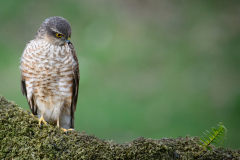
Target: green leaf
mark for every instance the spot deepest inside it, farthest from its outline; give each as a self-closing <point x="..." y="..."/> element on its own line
<point x="216" y="136"/>
<point x="209" y="148"/>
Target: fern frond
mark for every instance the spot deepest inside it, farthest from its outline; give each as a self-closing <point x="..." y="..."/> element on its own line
<point x="217" y="135"/>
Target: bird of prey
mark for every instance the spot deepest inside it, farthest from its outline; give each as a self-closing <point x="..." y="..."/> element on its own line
<point x="50" y="73"/>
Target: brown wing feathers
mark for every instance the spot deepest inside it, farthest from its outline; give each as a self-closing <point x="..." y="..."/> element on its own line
<point x="31" y="103"/>
<point x="75" y="85"/>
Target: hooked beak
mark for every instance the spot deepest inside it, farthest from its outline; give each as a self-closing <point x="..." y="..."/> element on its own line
<point x="68" y="40"/>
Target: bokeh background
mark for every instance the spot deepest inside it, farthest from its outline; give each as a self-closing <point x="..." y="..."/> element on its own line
<point x="154" y="68"/>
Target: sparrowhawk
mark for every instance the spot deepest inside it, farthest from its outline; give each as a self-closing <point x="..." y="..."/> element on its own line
<point x="50" y="73"/>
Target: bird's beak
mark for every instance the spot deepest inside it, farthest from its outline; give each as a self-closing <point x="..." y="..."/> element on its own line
<point x="68" y="40"/>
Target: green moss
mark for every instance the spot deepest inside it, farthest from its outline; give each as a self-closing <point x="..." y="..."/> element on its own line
<point x="22" y="138"/>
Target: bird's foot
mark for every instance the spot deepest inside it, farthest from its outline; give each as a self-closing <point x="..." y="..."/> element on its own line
<point x="66" y="130"/>
<point x="41" y="120"/>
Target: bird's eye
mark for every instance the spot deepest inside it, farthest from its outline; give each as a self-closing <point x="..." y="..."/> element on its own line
<point x="58" y="35"/>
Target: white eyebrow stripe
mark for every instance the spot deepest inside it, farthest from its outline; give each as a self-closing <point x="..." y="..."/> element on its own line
<point x="53" y="29"/>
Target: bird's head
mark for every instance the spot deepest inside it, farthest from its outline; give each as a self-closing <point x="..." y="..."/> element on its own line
<point x="55" y="30"/>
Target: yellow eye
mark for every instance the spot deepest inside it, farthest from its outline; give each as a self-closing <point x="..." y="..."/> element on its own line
<point x="58" y="35"/>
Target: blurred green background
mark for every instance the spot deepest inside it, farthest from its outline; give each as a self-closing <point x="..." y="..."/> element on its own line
<point x="148" y="68"/>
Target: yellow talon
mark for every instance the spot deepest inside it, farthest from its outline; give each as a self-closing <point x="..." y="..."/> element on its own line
<point x="71" y="129"/>
<point x="66" y="130"/>
<point x="42" y="120"/>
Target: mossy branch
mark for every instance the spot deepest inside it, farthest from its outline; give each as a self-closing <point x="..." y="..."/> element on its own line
<point x="22" y="138"/>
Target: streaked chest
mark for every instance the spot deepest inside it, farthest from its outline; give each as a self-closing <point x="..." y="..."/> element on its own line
<point x="47" y="68"/>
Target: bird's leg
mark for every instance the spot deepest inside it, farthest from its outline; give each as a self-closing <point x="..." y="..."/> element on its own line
<point x="65" y="130"/>
<point x="42" y="120"/>
<point x="59" y="125"/>
<point x="58" y="122"/>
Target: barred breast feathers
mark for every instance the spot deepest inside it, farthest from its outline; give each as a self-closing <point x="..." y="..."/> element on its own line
<point x="48" y="74"/>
